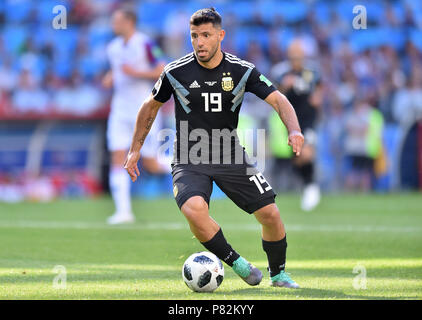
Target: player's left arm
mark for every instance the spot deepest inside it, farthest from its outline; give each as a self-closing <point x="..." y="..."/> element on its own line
<point x="287" y="114"/>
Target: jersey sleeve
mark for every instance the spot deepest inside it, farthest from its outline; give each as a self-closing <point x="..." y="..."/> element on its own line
<point x="318" y="79"/>
<point x="153" y="52"/>
<point x="108" y="52"/>
<point x="280" y="77"/>
<point x="259" y="85"/>
<point x="162" y="90"/>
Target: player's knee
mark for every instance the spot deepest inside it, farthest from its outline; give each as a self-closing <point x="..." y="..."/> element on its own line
<point x="268" y="216"/>
<point x="194" y="207"/>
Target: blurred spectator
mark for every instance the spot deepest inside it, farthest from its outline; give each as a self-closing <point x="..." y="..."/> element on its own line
<point x="46" y="187"/>
<point x="8" y="76"/>
<point x="78" y="97"/>
<point x="256" y="54"/>
<point x="43" y="70"/>
<point x="274" y="50"/>
<point x="345" y="58"/>
<point x="29" y="96"/>
<point x="407" y="103"/>
<point x="81" y="13"/>
<point x="10" y="190"/>
<point x="363" y="142"/>
<point x="39" y="188"/>
<point x="334" y="125"/>
<point x="176" y="33"/>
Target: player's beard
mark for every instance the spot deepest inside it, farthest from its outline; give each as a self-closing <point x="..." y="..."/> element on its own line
<point x="210" y="56"/>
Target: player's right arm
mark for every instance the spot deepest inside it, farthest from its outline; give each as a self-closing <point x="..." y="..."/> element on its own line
<point x="287" y="114"/>
<point x="263" y="88"/>
<point x="144" y="120"/>
<point x="161" y="92"/>
<point x="107" y="80"/>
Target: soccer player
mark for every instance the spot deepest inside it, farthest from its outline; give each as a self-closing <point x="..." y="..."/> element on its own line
<point x="208" y="87"/>
<point x="134" y="64"/>
<point x="301" y="84"/>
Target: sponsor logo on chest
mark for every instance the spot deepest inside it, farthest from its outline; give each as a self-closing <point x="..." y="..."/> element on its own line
<point x="210" y="83"/>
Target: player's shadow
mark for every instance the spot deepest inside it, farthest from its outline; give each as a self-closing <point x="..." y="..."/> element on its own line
<point x="297" y="294"/>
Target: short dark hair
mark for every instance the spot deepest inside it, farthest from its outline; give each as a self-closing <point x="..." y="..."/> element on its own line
<point x="207" y="15"/>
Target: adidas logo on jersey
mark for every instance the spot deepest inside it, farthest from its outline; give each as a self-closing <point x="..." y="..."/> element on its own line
<point x="194" y="85"/>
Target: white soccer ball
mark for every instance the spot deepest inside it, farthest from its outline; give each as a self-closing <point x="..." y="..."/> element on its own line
<point x="203" y="272"/>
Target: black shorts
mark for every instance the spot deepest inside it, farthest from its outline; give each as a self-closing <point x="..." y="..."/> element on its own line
<point x="248" y="190"/>
<point x="362" y="163"/>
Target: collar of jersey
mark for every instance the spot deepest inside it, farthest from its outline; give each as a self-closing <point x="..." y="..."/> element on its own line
<point x="221" y="62"/>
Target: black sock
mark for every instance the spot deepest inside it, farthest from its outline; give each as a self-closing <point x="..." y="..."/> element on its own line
<point x="307" y="173"/>
<point x="219" y="246"/>
<point x="276" y="253"/>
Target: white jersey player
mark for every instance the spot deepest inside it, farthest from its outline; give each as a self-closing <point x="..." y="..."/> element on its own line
<point x="134" y="64"/>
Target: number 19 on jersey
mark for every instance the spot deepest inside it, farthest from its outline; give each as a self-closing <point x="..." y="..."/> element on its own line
<point x="213" y="99"/>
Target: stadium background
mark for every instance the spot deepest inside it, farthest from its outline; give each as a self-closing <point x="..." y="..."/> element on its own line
<point x="53" y="108"/>
<point x="53" y="113"/>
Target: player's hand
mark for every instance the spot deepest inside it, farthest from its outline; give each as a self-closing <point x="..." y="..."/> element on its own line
<point x="296" y="140"/>
<point x="131" y="165"/>
<point x="127" y="69"/>
<point x="107" y="80"/>
<point x="288" y="81"/>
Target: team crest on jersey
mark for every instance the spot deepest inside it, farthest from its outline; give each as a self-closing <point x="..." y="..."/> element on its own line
<point x="227" y="82"/>
<point x="307" y="75"/>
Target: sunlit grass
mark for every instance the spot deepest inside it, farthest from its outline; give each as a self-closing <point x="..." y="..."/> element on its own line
<point x="378" y="235"/>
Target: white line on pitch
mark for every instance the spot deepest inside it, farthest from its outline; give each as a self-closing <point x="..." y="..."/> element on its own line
<point x="184" y="226"/>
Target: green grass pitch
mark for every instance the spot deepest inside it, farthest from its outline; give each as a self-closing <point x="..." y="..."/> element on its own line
<point x="376" y="235"/>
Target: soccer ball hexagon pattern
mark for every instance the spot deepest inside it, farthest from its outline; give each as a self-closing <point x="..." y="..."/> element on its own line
<point x="203" y="272"/>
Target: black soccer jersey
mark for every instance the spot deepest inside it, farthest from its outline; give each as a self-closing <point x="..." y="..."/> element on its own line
<point x="304" y="85"/>
<point x="208" y="102"/>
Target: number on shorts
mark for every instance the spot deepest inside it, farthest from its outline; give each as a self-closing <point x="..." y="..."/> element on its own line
<point x="259" y="181"/>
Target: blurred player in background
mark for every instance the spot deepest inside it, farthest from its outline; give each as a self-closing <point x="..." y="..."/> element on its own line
<point x="134" y="64"/>
<point x="301" y="85"/>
